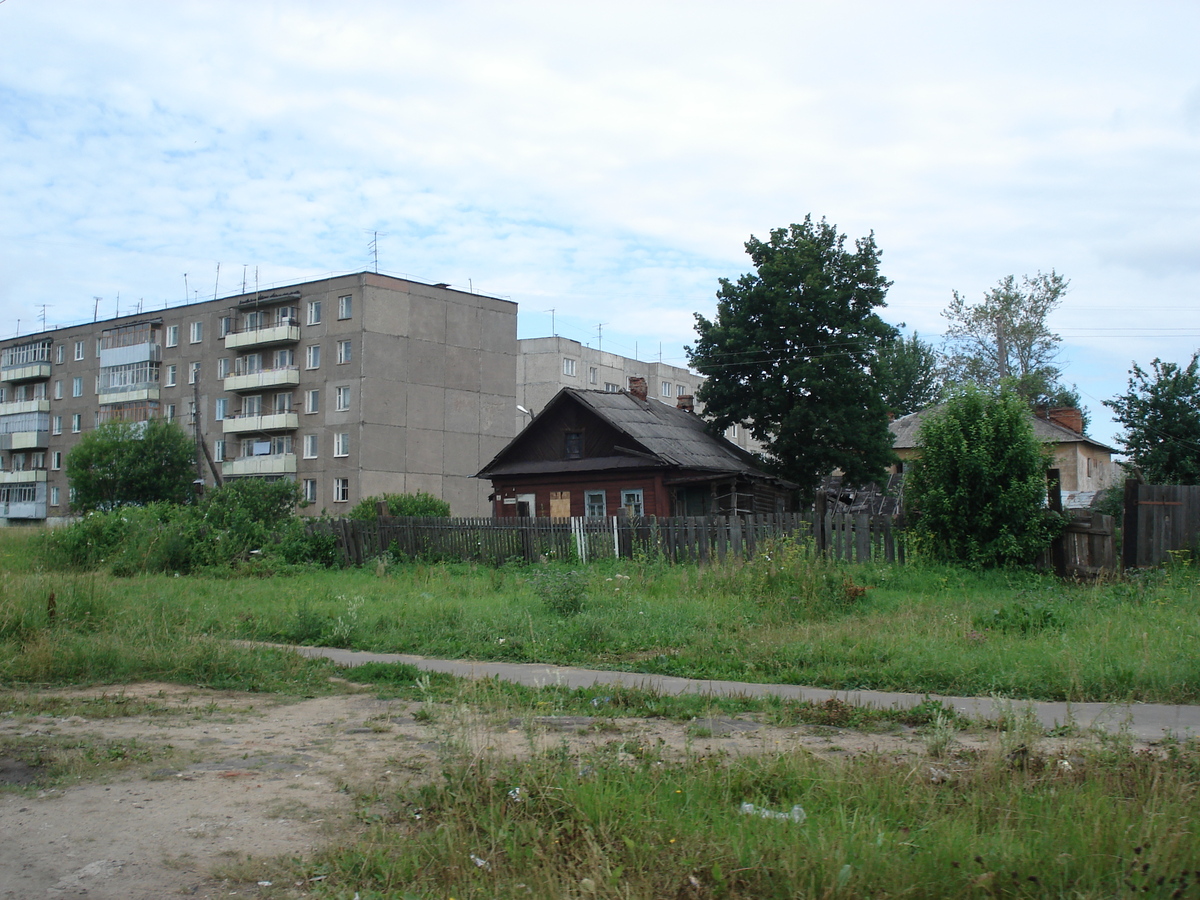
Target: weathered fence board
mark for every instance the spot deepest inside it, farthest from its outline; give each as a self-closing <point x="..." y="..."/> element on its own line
<point x="1160" y="519"/>
<point x="856" y="537"/>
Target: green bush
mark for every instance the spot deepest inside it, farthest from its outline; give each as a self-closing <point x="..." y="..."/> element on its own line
<point x="418" y="504"/>
<point x="977" y="492"/>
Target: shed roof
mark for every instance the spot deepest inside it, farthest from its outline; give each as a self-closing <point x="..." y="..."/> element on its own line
<point x="906" y="428"/>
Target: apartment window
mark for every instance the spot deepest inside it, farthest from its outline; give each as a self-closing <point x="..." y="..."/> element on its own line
<point x="611" y="388"/>
<point x="255" y="320"/>
<point x="252" y="406"/>
<point x="569" y="368"/>
<point x="283" y="402"/>
<point x="226" y="325"/>
<point x="170" y="412"/>
<point x="310" y="490"/>
<point x="631" y="500"/>
<point x="76" y="423"/>
<point x="285" y="359"/>
<point x="286" y="315"/>
<point x="313" y="356"/>
<point x="250" y="364"/>
<point x="344" y="352"/>
<point x="172" y="374"/>
<point x="732" y="432"/>
<point x="96" y="419"/>
<point x="54" y="495"/>
<point x="172" y="337"/>
<point x="594" y="505"/>
<point x="344" y="307"/>
<point x="57" y="424"/>
<point x="58" y="354"/>
<point x="39" y="460"/>
<point x="342" y="396"/>
<point x="680" y="390"/>
<point x="58" y="389"/>
<point x="314" y="312"/>
<point x="219" y="451"/>
<point x="97" y="388"/>
<point x="77" y="386"/>
<point x="310" y="445"/>
<point x="593" y="374"/>
<point x="666" y="389"/>
<point x="341" y="444"/>
<point x="56" y="460"/>
<point x="341" y="490"/>
<point x="197" y="332"/>
<point x="221" y="408"/>
<point x="223" y="367"/>
<point x="193" y="372"/>
<point x="312" y="401"/>
<point x="78" y="350"/>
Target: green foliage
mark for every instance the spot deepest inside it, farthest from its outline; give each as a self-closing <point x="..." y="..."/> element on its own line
<point x="1003" y="339"/>
<point x="563" y="591"/>
<point x="908" y="375"/>
<point x="791" y="349"/>
<point x="132" y="464"/>
<point x="418" y="504"/>
<point x="1021" y="617"/>
<point x="977" y="492"/>
<point x="1160" y="413"/>
<point x="247" y="522"/>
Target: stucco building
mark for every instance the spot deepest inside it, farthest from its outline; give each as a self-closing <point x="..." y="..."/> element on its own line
<point x="350" y="385"/>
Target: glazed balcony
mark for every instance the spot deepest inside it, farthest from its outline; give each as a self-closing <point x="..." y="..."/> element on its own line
<point x="133" y="393"/>
<point x="284" y="421"/>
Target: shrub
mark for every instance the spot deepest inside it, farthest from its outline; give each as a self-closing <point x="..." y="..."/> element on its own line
<point x="418" y="504"/>
<point x="977" y="493"/>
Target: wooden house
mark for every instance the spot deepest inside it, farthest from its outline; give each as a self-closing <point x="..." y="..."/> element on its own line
<point x="599" y="453"/>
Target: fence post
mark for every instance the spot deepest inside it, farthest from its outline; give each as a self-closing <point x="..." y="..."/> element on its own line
<point x="1129" y="527"/>
<point x="819" y="522"/>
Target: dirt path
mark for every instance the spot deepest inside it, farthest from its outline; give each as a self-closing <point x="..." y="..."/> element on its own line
<point x="232" y="780"/>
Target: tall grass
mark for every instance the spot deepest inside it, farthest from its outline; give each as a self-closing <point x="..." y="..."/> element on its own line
<point x="783" y="617"/>
<point x="625" y="824"/>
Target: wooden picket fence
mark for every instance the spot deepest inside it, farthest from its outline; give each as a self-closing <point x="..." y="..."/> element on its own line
<point x="854" y="537"/>
<point x="1160" y="520"/>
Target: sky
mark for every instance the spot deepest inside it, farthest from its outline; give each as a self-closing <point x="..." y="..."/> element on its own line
<point x="603" y="164"/>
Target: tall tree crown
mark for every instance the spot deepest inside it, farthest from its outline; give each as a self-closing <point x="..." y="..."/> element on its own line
<point x="790" y="353"/>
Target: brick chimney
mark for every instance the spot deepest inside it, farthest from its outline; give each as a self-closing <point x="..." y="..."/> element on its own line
<point x="637" y="387"/>
<point x="1064" y="416"/>
<point x="686" y="402"/>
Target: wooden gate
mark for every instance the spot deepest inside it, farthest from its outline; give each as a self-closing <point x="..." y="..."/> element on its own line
<point x="1160" y="519"/>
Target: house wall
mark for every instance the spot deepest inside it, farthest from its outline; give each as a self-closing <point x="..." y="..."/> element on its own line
<point x="656" y="499"/>
<point x="1081" y="467"/>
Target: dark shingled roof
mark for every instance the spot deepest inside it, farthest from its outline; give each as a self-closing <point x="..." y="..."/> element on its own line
<point x="666" y="436"/>
<point x="906" y="428"/>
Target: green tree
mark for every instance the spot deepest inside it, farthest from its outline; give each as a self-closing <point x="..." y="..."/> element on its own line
<point x="1004" y="339"/>
<point x="1160" y="413"/>
<point x="977" y="492"/>
<point x="790" y="354"/>
<point x="418" y="504"/>
<point x="908" y="375"/>
<point x="132" y="464"/>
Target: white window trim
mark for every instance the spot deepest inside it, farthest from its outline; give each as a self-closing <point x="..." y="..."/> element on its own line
<point x="341" y="444"/>
<point x="312" y="443"/>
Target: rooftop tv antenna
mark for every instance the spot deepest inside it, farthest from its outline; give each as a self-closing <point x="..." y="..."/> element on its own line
<point x="44" y="305"/>
<point x="600" y="336"/>
<point x="96" y="309"/>
<point x="552" y="331"/>
<point x="373" y="248"/>
<point x="186" y="293"/>
<point x="243" y="279"/>
<point x="217" y="283"/>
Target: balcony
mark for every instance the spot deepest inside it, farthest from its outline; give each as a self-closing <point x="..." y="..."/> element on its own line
<point x="133" y="393"/>
<point x="25" y="440"/>
<point x="266" y="378"/>
<point x="23" y="509"/>
<point x="33" y="371"/>
<point x="130" y="354"/>
<point x="285" y="421"/>
<point x="25" y="476"/>
<point x="17" y="407"/>
<point x="284" y="333"/>
<point x="273" y="464"/>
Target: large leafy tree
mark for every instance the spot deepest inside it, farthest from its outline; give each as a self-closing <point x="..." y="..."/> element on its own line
<point x="1160" y="413"/>
<point x="908" y="375"/>
<point x="132" y="464"/>
<point x="791" y="349"/>
<point x="1004" y="338"/>
<point x="977" y="492"/>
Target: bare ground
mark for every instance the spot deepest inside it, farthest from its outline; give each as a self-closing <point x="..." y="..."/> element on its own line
<point x="229" y="782"/>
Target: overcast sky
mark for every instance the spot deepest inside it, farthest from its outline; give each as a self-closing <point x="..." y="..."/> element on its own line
<point x="608" y="160"/>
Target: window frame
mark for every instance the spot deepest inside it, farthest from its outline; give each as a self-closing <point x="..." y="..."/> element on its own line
<point x="312" y="356"/>
<point x="345" y="352"/>
<point x="196" y="333"/>
<point x="569" y="367"/>
<point x="341" y="444"/>
<point x="314" y="312"/>
<point x="639" y="493"/>
<point x="311" y="446"/>
<point x="341" y="490"/>
<point x="345" y="307"/>
<point x="172" y="336"/>
<point x="589" y="504"/>
<point x="312" y="401"/>
<point x="341" y="399"/>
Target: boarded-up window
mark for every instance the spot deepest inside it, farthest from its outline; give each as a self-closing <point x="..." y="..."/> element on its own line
<point x="560" y="504"/>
